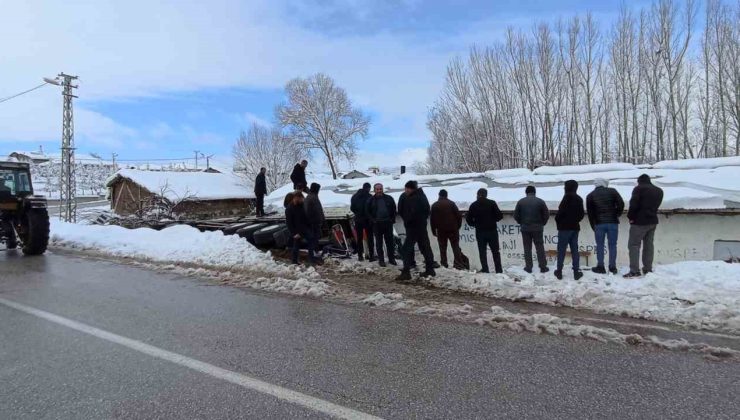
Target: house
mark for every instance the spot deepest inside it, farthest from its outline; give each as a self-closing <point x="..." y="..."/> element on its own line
<point x="354" y="175"/>
<point x="192" y="195"/>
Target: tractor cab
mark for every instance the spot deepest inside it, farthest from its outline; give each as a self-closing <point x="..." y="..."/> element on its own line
<point x="24" y="219"/>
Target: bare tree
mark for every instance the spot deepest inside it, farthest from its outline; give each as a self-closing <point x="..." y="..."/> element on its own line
<point x="318" y="115"/>
<point x="265" y="147"/>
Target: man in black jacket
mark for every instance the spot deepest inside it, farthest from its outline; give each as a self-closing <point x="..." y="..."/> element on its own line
<point x="483" y="215"/>
<point x="381" y="210"/>
<point x="568" y="219"/>
<point x="260" y="190"/>
<point x="363" y="226"/>
<point x="604" y="206"/>
<point x="298" y="176"/>
<point x="446" y="221"/>
<point x="532" y="214"/>
<point x="413" y="207"/>
<point x="643" y="217"/>
<point x="315" y="215"/>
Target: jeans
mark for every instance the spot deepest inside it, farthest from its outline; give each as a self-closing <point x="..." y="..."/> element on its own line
<point x="361" y="227"/>
<point x="417" y="235"/>
<point x="529" y="238"/>
<point x="611" y="232"/>
<point x="641" y="234"/>
<point x="568" y="238"/>
<point x="384" y="234"/>
<point x="488" y="239"/>
<point x="453" y="237"/>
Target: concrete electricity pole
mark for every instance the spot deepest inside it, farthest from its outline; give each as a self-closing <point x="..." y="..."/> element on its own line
<point x="67" y="181"/>
<point x="197" y="152"/>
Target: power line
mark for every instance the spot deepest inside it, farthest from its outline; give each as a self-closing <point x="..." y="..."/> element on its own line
<point x="23" y="93"/>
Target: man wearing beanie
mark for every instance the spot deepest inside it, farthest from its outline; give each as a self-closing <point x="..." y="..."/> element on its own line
<point x="604" y="206"/>
<point x="643" y="217"/>
<point x="532" y="214"/>
<point x="568" y="219"/>
<point x="363" y="226"/>
<point x="446" y="222"/>
<point x="413" y="207"/>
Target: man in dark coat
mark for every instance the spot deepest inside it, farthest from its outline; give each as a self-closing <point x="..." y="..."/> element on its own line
<point x="298" y="226"/>
<point x="381" y="210"/>
<point x="643" y="217"/>
<point x="315" y="214"/>
<point x="363" y="225"/>
<point x="532" y="214"/>
<point x="568" y="219"/>
<point x="298" y="176"/>
<point x="483" y="215"/>
<point x="260" y="190"/>
<point x="604" y="206"/>
<point x="413" y="207"/>
<point x="446" y="222"/>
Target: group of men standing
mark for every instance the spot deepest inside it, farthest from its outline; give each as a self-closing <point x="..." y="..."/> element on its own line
<point x="374" y="216"/>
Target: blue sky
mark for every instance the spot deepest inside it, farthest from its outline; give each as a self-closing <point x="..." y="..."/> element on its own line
<point x="161" y="79"/>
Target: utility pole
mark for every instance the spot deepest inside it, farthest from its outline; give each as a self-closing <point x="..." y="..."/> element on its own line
<point x="208" y="161"/>
<point x="114" y="155"/>
<point x="197" y="152"/>
<point x="67" y="181"/>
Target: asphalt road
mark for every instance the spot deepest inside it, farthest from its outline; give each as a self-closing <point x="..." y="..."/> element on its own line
<point x="126" y="342"/>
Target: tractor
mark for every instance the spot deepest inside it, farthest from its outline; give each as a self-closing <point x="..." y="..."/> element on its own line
<point x="24" y="219"/>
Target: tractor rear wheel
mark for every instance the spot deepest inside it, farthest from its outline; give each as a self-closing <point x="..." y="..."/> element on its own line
<point x="36" y="226"/>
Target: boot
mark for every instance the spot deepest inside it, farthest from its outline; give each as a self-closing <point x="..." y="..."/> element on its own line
<point x="360" y="257"/>
<point x="599" y="269"/>
<point x="613" y="270"/>
<point x="381" y="263"/>
<point x="428" y="273"/>
<point x="632" y="275"/>
<point x="528" y="270"/>
<point x="544" y="269"/>
<point x="372" y="258"/>
<point x="392" y="262"/>
<point x="577" y="274"/>
<point x="558" y="274"/>
<point x="404" y="276"/>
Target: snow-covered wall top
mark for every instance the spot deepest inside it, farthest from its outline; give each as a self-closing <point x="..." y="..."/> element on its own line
<point x="687" y="184"/>
<point x="177" y="186"/>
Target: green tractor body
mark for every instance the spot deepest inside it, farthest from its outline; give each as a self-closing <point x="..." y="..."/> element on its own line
<point x="24" y="219"/>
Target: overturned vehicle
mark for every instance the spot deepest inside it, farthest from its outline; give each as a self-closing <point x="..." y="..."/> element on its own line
<point x="24" y="219"/>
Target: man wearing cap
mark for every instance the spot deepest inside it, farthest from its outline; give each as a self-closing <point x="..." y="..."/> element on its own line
<point x="413" y="207"/>
<point x="643" y="217"/>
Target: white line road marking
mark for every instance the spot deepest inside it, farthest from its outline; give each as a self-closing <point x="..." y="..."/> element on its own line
<point x="245" y="381"/>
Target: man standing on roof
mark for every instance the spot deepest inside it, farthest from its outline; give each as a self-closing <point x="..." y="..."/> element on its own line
<point x="604" y="206"/>
<point x="260" y="190"/>
<point x="363" y="225"/>
<point x="532" y="214"/>
<point x="643" y="217"/>
<point x="413" y="206"/>
<point x="315" y="215"/>
<point x="483" y="215"/>
<point x="568" y="219"/>
<point x="446" y="222"/>
<point x="381" y="212"/>
<point x="298" y="176"/>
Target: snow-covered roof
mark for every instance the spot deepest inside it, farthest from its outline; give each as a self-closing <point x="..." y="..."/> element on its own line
<point x="178" y="186"/>
<point x="687" y="184"/>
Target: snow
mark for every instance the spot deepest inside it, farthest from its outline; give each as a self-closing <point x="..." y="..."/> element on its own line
<point x="189" y="248"/>
<point x="700" y="294"/>
<point x="709" y="163"/>
<point x="181" y="185"/>
<point x="701" y="186"/>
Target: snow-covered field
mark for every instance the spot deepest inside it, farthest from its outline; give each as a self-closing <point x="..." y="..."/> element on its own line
<point x="698" y="294"/>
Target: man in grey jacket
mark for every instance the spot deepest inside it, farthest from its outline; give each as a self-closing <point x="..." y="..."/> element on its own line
<point x="532" y="214"/>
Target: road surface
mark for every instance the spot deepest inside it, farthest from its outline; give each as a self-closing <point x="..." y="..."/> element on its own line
<point x="81" y="338"/>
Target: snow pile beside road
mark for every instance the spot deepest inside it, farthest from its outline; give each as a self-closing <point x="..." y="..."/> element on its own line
<point x="699" y="294"/>
<point x="176" y="244"/>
